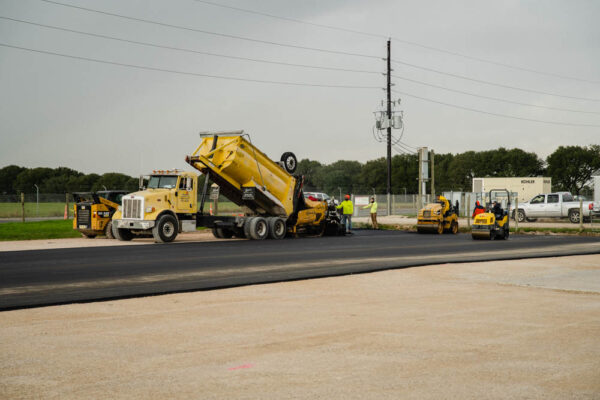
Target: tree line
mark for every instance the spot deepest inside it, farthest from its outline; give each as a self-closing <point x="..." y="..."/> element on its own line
<point x="569" y="166"/>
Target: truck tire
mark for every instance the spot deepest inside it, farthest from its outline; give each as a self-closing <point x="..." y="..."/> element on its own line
<point x="123" y="235"/>
<point x="165" y="229"/>
<point x="108" y="232"/>
<point x="290" y="163"/>
<point x="259" y="228"/>
<point x="521" y="215"/>
<point x="277" y="228"/>
<point x="222" y="233"/>
<point x="574" y="216"/>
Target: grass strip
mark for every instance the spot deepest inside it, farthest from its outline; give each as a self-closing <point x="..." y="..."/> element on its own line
<point x="54" y="229"/>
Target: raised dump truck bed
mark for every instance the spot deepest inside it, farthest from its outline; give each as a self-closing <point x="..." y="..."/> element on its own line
<point x="270" y="195"/>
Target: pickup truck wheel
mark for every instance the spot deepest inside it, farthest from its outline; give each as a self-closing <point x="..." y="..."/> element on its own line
<point x="521" y="216"/>
<point x="277" y="228"/>
<point x="259" y="228"/>
<point x="165" y="229"/>
<point x="574" y="216"/>
<point x="108" y="232"/>
<point x="123" y="235"/>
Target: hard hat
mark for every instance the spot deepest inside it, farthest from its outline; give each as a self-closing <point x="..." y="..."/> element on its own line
<point x="347" y="197"/>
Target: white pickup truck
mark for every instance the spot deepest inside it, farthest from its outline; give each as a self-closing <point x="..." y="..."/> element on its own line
<point x="552" y="205"/>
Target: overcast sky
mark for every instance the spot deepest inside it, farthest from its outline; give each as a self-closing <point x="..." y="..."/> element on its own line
<point x="93" y="117"/>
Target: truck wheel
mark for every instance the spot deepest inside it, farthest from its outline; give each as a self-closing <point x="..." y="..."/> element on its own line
<point x="222" y="233"/>
<point x="290" y="162"/>
<point x="108" y="232"/>
<point x="277" y="228"/>
<point x="521" y="216"/>
<point x="123" y="235"/>
<point x="165" y="229"/>
<point x="259" y="228"/>
<point x="574" y="216"/>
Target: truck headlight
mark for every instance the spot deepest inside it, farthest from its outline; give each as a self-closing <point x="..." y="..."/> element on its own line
<point x="149" y="210"/>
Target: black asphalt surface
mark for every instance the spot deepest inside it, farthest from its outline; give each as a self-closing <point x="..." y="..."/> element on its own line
<point x="47" y="277"/>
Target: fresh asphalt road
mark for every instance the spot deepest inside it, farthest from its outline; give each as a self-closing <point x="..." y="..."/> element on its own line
<point x="45" y="277"/>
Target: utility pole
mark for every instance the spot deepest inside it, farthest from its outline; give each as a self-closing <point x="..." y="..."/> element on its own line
<point x="389" y="128"/>
<point x="432" y="157"/>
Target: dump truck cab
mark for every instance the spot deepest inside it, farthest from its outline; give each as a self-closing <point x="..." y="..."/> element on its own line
<point x="438" y="217"/>
<point x="494" y="223"/>
<point x="93" y="212"/>
<point x="162" y="209"/>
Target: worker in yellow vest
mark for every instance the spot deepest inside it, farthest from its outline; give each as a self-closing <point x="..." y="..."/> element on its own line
<point x="373" y="206"/>
<point x="347" y="211"/>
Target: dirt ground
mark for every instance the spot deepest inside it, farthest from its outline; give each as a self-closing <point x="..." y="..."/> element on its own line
<point x="507" y="329"/>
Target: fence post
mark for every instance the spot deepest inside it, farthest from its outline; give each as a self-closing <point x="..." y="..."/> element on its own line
<point x="516" y="214"/>
<point x="22" y="207"/>
<point x="580" y="214"/>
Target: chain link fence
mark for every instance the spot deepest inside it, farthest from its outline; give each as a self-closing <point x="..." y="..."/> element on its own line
<point x="44" y="205"/>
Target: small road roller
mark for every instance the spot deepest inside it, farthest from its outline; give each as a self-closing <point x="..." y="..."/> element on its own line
<point x="438" y="217"/>
<point x="494" y="223"/>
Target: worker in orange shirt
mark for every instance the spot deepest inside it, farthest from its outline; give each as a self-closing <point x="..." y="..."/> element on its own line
<point x="478" y="209"/>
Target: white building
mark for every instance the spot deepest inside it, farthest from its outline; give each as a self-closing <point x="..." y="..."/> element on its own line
<point x="526" y="187"/>
<point x="596" y="185"/>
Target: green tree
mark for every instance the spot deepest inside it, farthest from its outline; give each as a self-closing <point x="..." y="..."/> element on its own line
<point x="571" y="167"/>
<point x="8" y="177"/>
<point x="311" y="170"/>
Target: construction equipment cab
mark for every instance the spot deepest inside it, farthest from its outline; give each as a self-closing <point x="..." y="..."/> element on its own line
<point x="438" y="217"/>
<point x="167" y="206"/>
<point x="494" y="223"/>
<point x="93" y="212"/>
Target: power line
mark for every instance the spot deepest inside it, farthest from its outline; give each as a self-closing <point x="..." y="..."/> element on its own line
<point x="188" y="50"/>
<point x="410" y="43"/>
<point x="234" y="78"/>
<point x="185" y="28"/>
<point x="490" y="83"/>
<point x="493" y="98"/>
<point x="496" y="114"/>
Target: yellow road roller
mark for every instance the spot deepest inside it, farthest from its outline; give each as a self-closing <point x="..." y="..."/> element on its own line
<point x="494" y="223"/>
<point x="438" y="217"/>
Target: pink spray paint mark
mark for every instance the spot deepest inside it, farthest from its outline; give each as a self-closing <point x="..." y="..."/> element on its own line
<point x="241" y="367"/>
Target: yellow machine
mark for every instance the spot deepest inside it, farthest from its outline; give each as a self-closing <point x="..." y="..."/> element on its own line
<point x="438" y="217"/>
<point x="93" y="212"/>
<point x="270" y="195"/>
<point x="161" y="210"/>
<point x="494" y="223"/>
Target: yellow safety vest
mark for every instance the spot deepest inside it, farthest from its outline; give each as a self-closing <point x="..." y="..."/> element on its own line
<point x="347" y="207"/>
<point x="373" y="206"/>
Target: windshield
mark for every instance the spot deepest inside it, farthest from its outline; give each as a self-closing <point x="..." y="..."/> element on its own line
<point x="162" y="182"/>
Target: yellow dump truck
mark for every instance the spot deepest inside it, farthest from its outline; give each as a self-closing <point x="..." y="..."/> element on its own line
<point x="269" y="194"/>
